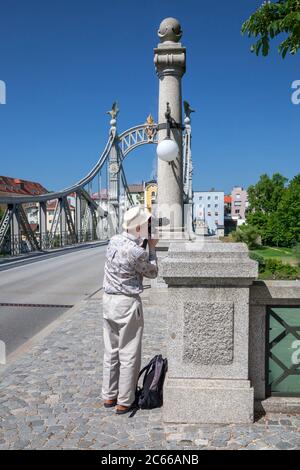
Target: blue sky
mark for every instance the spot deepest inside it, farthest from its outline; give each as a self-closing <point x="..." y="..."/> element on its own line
<point x="65" y="62"/>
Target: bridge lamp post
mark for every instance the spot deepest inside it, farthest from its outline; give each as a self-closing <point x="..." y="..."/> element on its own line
<point x="167" y="149"/>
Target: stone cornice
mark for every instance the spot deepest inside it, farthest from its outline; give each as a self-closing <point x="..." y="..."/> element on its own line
<point x="170" y="59"/>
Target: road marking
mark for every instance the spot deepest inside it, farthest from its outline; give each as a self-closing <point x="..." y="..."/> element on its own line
<point x="11" y="304"/>
<point x="26" y="347"/>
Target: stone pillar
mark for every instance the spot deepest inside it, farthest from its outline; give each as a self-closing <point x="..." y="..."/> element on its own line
<point x="114" y="187"/>
<point x="78" y="217"/>
<point x="114" y="190"/>
<point x="208" y="333"/>
<point x="63" y="222"/>
<point x="169" y="62"/>
<point x="43" y="224"/>
<point x="15" y="236"/>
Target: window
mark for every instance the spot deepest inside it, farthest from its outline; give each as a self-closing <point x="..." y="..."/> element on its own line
<point x="208" y="205"/>
<point x="237" y="203"/>
<point x="216" y="205"/>
<point x="208" y="197"/>
<point x="200" y="198"/>
<point x="216" y="222"/>
<point x="216" y="197"/>
<point x="237" y="211"/>
<point x="153" y="194"/>
<point x="209" y="213"/>
<point x="216" y="213"/>
<point x="238" y="196"/>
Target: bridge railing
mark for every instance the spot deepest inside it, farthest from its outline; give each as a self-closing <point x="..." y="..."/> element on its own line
<point x="18" y="244"/>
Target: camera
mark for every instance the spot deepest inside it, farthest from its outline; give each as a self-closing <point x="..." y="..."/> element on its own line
<point x="153" y="224"/>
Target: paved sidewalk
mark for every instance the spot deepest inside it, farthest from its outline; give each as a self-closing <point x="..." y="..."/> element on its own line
<point x="50" y="398"/>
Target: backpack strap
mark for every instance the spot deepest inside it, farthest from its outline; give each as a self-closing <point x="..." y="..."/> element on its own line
<point x="134" y="411"/>
<point x="147" y="367"/>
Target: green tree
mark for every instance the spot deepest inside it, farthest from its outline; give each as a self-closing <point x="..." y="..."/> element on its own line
<point x="275" y="233"/>
<point x="264" y="198"/>
<point x="266" y="193"/>
<point x="271" y="20"/>
<point x="288" y="213"/>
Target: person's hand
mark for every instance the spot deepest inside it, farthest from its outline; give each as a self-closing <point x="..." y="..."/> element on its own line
<point x="152" y="242"/>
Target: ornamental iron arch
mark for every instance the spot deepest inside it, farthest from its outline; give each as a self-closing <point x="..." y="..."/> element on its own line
<point x="15" y="229"/>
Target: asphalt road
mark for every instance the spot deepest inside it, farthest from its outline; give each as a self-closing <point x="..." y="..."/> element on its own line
<point x="37" y="291"/>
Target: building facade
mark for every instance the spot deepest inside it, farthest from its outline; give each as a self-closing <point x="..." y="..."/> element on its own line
<point x="137" y="192"/>
<point x="208" y="211"/>
<point x="239" y="204"/>
<point x="150" y="194"/>
<point x="17" y="187"/>
<point x="144" y="193"/>
<point x="10" y="186"/>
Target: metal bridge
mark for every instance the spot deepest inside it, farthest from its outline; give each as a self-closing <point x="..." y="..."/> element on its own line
<point x="94" y="219"/>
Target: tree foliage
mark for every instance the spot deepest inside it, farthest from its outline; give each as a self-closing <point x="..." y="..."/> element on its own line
<point x="274" y="209"/>
<point x="288" y="213"/>
<point x="271" y="20"/>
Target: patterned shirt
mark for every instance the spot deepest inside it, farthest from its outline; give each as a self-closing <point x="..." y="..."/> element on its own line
<point x="126" y="264"/>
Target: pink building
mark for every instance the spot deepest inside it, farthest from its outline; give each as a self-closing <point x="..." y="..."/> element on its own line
<point x="239" y="203"/>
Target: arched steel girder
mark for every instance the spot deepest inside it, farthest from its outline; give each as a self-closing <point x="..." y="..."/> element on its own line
<point x="136" y="136"/>
<point x="124" y="143"/>
<point x="128" y="141"/>
<point x="71" y="189"/>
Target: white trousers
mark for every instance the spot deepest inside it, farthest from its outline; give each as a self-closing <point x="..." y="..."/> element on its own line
<point x="123" y="325"/>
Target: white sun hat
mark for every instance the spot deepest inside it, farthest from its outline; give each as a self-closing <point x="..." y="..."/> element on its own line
<point x="135" y="216"/>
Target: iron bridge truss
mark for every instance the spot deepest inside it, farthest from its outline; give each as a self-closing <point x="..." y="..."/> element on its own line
<point x="16" y="233"/>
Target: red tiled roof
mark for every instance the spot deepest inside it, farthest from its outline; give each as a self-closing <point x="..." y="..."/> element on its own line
<point x="10" y="185"/>
<point x="227" y="199"/>
<point x="51" y="204"/>
<point x="136" y="188"/>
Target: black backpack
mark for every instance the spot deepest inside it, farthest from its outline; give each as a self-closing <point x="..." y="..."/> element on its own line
<point x="151" y="394"/>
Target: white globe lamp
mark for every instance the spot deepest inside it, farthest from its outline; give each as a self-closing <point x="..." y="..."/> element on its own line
<point x="167" y="150"/>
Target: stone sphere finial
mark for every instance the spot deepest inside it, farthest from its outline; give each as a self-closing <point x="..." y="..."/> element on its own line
<point x="169" y="30"/>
